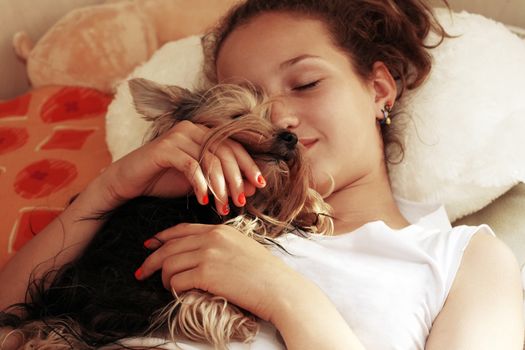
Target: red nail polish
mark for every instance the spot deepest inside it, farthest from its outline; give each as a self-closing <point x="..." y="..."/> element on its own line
<point x="261" y="180"/>
<point x="205" y="200"/>
<point x="147" y="243"/>
<point x="138" y="273"/>
<point x="225" y="209"/>
<point x="242" y="199"/>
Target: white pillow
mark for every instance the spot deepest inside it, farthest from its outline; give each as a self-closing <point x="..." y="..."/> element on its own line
<point x="463" y="140"/>
<point x="176" y="63"/>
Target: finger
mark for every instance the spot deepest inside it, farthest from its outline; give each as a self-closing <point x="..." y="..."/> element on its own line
<point x="245" y="162"/>
<point x="184" y="281"/>
<point x="194" y="174"/>
<point x="199" y="137"/>
<point x="177" y="264"/>
<point x="178" y="231"/>
<point x="153" y="243"/>
<point x="161" y="256"/>
<point x="247" y="165"/>
<point x="249" y="189"/>
<point x="212" y="166"/>
<point x="184" y="135"/>
<point x="180" y="152"/>
<point x="232" y="175"/>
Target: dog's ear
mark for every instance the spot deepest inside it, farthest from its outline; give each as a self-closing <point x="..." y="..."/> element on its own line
<point x="153" y="100"/>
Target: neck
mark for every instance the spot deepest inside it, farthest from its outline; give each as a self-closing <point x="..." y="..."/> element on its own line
<point x="368" y="199"/>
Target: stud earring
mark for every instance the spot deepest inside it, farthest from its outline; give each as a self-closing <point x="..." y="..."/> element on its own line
<point x="386" y="115"/>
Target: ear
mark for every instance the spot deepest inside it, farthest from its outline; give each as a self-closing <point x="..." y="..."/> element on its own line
<point x="384" y="88"/>
<point x="153" y="100"/>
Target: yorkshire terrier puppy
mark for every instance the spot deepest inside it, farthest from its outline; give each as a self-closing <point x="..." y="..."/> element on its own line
<point x="95" y="300"/>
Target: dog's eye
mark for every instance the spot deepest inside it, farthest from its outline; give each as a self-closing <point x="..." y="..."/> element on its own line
<point x="307" y="86"/>
<point x="236" y="116"/>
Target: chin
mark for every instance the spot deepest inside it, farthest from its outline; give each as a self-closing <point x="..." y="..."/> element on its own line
<point x="324" y="182"/>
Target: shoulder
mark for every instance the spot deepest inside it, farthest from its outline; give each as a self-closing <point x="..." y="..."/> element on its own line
<point x="487" y="255"/>
<point x="487" y="262"/>
<point x="484" y="309"/>
<point x="491" y="243"/>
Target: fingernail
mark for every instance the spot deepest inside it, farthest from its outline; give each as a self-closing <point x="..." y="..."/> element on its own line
<point x="153" y="243"/>
<point x="139" y="273"/>
<point x="225" y="209"/>
<point x="261" y="180"/>
<point x="242" y="199"/>
<point x="148" y="243"/>
<point x="205" y="200"/>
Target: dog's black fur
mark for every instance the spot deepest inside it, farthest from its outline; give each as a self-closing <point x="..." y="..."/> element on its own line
<point x="99" y="289"/>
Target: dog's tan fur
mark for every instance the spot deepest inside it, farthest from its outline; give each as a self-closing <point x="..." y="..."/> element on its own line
<point x="286" y="204"/>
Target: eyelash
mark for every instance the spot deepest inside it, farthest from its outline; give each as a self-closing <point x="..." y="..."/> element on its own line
<point x="307" y="86"/>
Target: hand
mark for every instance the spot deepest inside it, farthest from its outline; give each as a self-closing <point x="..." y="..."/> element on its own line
<point x="169" y="166"/>
<point x="221" y="260"/>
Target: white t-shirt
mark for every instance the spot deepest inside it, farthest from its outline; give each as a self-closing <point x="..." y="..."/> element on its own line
<point x="389" y="285"/>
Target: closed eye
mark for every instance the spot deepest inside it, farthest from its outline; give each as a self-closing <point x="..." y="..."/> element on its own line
<point x="307" y="86"/>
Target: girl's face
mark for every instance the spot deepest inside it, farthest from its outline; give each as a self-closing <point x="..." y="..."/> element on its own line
<point x="318" y="94"/>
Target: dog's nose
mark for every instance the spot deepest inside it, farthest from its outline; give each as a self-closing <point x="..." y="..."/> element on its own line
<point x="288" y="138"/>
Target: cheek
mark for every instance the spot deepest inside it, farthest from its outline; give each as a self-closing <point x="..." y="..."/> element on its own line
<point x="340" y="116"/>
<point x="347" y="122"/>
<point x="326" y="110"/>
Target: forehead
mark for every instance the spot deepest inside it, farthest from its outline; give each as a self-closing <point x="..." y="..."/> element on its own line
<point x="270" y="39"/>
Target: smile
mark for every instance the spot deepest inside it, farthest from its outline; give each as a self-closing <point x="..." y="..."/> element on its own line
<point x="307" y="142"/>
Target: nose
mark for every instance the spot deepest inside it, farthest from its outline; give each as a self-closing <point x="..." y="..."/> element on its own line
<point x="284" y="146"/>
<point x="289" y="139"/>
<point x="282" y="115"/>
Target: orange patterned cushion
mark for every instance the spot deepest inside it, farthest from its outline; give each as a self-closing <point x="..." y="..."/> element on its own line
<point x="52" y="143"/>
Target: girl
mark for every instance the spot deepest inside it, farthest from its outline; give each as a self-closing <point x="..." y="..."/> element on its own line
<point x="396" y="275"/>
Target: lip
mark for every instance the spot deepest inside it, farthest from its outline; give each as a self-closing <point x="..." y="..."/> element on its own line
<point x="307" y="142"/>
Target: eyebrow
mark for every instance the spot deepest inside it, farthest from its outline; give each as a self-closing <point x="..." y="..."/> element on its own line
<point x="295" y="60"/>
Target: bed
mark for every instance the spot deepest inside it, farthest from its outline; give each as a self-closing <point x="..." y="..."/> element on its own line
<point x="53" y="137"/>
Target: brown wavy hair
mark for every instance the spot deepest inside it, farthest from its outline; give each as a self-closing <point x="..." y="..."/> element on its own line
<point x="390" y="31"/>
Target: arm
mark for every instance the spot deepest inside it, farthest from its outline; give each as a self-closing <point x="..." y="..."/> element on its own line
<point x="307" y="319"/>
<point x="46" y="250"/>
<point x="225" y="262"/>
<point x="167" y="166"/>
<point x="484" y="309"/>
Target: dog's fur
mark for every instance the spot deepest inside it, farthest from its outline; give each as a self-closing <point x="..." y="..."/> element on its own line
<point x="95" y="300"/>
